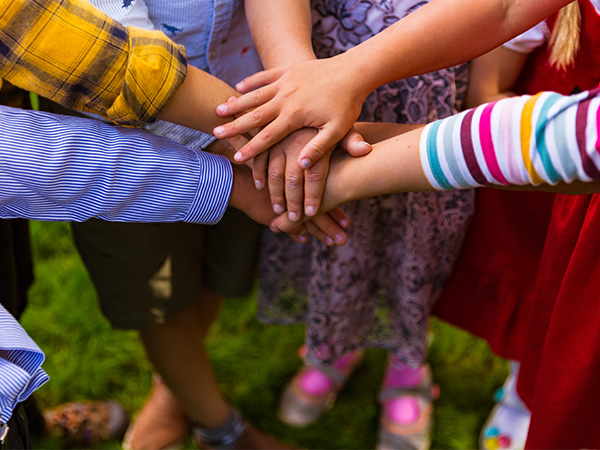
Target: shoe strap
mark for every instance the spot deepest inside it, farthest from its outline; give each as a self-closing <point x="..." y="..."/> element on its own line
<point x="226" y="435"/>
<point x="390" y="393"/>
<point x="336" y="375"/>
<point x="330" y="372"/>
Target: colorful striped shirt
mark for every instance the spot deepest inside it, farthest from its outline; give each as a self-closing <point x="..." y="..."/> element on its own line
<point x="51" y="169"/>
<point x="70" y="52"/>
<point x="528" y="140"/>
<point x="20" y="365"/>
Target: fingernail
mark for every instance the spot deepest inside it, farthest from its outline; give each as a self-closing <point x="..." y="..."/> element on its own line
<point x="339" y="238"/>
<point x="305" y="163"/>
<point x="344" y="223"/>
<point x="303" y="238"/>
<point x="293" y="216"/>
<point x="365" y="144"/>
<point x="274" y="229"/>
<point x="329" y="241"/>
<point x="238" y="156"/>
<point x="222" y="109"/>
<point x="278" y="209"/>
<point x="310" y="210"/>
<point x="219" y="130"/>
<point x="239" y="86"/>
<point x="259" y="185"/>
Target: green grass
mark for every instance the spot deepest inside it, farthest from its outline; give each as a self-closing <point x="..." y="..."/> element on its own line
<point x="87" y="360"/>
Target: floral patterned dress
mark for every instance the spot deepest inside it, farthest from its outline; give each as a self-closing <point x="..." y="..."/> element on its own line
<point x="378" y="289"/>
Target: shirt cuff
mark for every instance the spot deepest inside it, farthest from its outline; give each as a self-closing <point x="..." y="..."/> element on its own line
<point x="214" y="189"/>
<point x="20" y="365"/>
<point x="155" y="69"/>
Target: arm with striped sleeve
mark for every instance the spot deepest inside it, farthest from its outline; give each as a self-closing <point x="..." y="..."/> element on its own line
<point x="521" y="141"/>
<point x="64" y="168"/>
<point x="544" y="142"/>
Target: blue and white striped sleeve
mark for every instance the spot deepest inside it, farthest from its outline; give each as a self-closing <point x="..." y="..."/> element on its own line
<point x="63" y="168"/>
<point x="21" y="361"/>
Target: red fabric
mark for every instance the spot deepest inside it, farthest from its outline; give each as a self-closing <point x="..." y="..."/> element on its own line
<point x="539" y="75"/>
<point x="497" y="269"/>
<point x="528" y="280"/>
<point x="560" y="365"/>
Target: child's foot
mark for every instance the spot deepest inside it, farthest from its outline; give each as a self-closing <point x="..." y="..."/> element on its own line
<point x="161" y="423"/>
<point x="406" y="398"/>
<point x="508" y="423"/>
<point x="313" y="390"/>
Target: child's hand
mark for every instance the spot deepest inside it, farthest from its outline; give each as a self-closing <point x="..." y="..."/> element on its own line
<point x="325" y="227"/>
<point x="293" y="189"/>
<point x="328" y="228"/>
<point x="319" y="94"/>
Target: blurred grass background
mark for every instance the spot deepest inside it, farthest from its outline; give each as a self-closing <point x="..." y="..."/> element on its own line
<point x="87" y="360"/>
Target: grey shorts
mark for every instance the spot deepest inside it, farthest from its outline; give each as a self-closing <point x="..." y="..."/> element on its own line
<point x="146" y="273"/>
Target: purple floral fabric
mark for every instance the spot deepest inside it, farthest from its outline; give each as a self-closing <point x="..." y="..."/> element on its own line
<point x="378" y="289"/>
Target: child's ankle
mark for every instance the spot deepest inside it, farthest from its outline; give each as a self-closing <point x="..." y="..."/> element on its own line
<point x="399" y="374"/>
<point x="224" y="436"/>
<point x="317" y="382"/>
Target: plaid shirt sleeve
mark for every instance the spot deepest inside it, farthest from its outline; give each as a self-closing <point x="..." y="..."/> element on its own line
<point x="69" y="52"/>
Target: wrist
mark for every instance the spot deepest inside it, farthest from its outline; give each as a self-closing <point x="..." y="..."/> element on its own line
<point x="355" y="65"/>
<point x="343" y="181"/>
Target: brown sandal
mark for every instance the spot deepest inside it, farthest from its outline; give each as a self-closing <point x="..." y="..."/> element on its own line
<point x="86" y="423"/>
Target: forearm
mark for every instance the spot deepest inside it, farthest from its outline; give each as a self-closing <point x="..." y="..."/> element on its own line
<point x="441" y="34"/>
<point x="545" y="142"/>
<point x="492" y="76"/>
<point x="195" y="102"/>
<point x="79" y="57"/>
<point x="71" y="169"/>
<point x="281" y="30"/>
<point x="392" y="166"/>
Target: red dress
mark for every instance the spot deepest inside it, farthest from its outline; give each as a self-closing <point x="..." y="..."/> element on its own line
<point x="528" y="279"/>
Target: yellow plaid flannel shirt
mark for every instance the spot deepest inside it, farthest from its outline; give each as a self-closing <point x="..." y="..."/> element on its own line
<point x="69" y="52"/>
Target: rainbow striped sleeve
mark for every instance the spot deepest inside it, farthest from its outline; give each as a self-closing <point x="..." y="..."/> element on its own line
<point x="527" y="140"/>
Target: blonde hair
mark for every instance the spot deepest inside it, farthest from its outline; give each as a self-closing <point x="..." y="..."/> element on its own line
<point x="564" y="41"/>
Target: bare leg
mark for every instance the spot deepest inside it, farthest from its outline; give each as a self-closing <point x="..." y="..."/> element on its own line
<point x="176" y="349"/>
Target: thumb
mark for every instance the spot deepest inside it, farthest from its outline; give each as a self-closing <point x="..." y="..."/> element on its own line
<point x="318" y="147"/>
<point x="354" y="144"/>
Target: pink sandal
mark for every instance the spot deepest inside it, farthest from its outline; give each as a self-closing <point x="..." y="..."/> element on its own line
<point x="314" y="389"/>
<point x="406" y="417"/>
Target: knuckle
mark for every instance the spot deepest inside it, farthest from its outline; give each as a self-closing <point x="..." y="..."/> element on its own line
<point x="314" y="177"/>
<point x="293" y="181"/>
<point x="318" y="148"/>
<point x="256" y="94"/>
<point x="266" y="134"/>
<point x="256" y="114"/>
<point x="275" y="176"/>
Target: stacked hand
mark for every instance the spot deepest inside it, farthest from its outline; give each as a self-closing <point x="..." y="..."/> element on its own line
<point x="291" y="153"/>
<point x="284" y="100"/>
